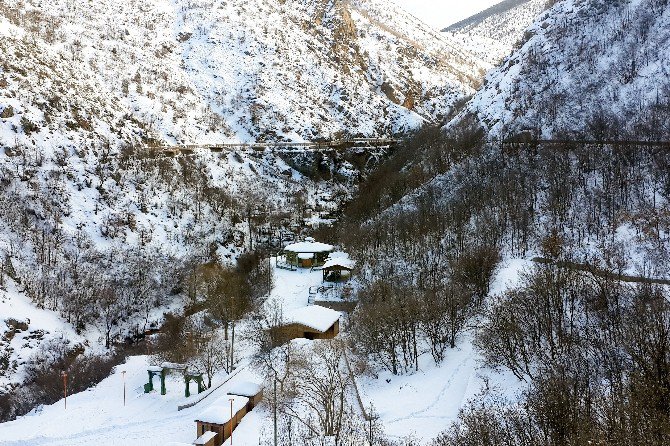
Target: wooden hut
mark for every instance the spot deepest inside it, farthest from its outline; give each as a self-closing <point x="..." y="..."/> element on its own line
<point x="250" y="390"/>
<point x="307" y="254"/>
<point x="312" y="322"/>
<point x="208" y="438"/>
<point x="217" y="419"/>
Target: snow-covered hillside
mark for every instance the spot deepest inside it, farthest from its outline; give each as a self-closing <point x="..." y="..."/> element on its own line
<point x="593" y="67"/>
<point x="23" y="329"/>
<point x="492" y="34"/>
<point x="83" y="85"/>
<point x="202" y="71"/>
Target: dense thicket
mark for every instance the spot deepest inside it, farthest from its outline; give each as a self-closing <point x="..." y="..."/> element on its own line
<point x="594" y="350"/>
<point x="596" y="355"/>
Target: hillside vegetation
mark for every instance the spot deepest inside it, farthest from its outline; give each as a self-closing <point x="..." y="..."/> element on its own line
<point x="591" y="351"/>
<point x="106" y="233"/>
<point x="593" y="68"/>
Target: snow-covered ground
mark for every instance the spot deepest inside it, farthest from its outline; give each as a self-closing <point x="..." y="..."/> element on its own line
<point x="425" y="403"/>
<point x="24" y="327"/>
<point x="422" y="404"/>
<point x="98" y="415"/>
<point x="291" y="288"/>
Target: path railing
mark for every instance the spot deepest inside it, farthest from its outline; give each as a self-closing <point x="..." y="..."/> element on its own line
<point x="213" y="389"/>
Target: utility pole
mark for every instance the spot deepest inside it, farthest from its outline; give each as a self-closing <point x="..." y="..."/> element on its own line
<point x="269" y="272"/>
<point x="275" y="408"/>
<point x="65" y="387"/>
<point x="231" y="421"/>
<point x="249" y="224"/>
<point x="123" y="373"/>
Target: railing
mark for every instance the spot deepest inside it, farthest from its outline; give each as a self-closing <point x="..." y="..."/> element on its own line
<point x="188" y="148"/>
<point x="213" y="389"/>
<point x="521" y="140"/>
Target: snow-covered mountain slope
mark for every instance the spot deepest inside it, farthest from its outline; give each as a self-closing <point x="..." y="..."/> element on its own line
<point x="83" y="85"/>
<point x="204" y="70"/>
<point x="492" y="34"/>
<point x="22" y="329"/>
<point x="441" y="14"/>
<point x="593" y="67"/>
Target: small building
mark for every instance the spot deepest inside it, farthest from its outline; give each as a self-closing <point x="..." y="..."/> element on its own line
<point x="218" y="419"/>
<point x="312" y="322"/>
<point x="307" y="254"/>
<point x="338" y="267"/>
<point x="250" y="390"/>
<point x="206" y="439"/>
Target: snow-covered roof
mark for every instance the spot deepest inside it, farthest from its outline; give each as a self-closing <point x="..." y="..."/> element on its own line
<point x="339" y="259"/>
<point x="305" y="255"/>
<point x="204" y="438"/>
<point x="220" y="414"/>
<point x="174" y="366"/>
<point x="246" y="388"/>
<point x="309" y="247"/>
<point x="346" y="264"/>
<point x="338" y="254"/>
<point x="314" y="316"/>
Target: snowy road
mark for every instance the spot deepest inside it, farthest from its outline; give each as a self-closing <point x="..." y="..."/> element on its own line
<point x="98" y="416"/>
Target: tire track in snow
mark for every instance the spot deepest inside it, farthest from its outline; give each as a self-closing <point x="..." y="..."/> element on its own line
<point x="440" y="396"/>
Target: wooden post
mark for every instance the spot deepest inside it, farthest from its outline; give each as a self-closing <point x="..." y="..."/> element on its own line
<point x="123" y="373"/>
<point x="163" y="389"/>
<point x="65" y="387"/>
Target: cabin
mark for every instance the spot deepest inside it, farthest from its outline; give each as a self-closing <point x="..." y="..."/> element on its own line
<point x="206" y="439"/>
<point x="338" y="267"/>
<point x="307" y="254"/>
<point x="218" y="419"/>
<point x="312" y="322"/>
<point x="250" y="390"/>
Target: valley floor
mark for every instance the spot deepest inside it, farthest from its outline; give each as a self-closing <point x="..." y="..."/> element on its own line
<point x="420" y="405"/>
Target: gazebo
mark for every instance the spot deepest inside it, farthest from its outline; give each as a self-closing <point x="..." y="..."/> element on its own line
<point x="308" y="253"/>
<point x="338" y="267"/>
<point x="162" y="371"/>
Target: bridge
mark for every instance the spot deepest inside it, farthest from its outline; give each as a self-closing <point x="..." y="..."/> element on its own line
<point x="277" y="147"/>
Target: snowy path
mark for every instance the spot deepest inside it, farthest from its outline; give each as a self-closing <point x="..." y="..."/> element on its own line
<point x="291" y="288"/>
<point x="97" y="416"/>
<point x="425" y="403"/>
